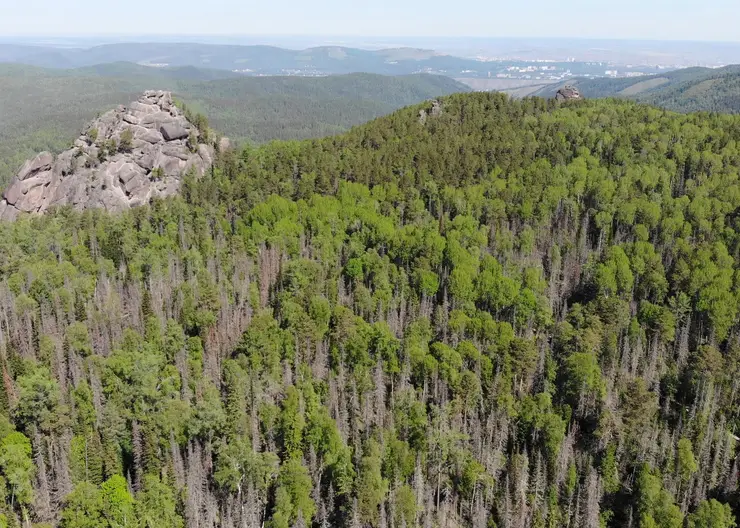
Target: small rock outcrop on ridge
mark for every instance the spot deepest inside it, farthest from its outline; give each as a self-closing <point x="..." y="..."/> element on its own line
<point x="567" y="93"/>
<point x="434" y="111"/>
<point x="125" y="158"/>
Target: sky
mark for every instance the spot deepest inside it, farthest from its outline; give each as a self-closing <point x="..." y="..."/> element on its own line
<point x="708" y="20"/>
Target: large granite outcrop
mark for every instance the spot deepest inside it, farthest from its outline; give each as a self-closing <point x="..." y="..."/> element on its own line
<point x="125" y="158"/>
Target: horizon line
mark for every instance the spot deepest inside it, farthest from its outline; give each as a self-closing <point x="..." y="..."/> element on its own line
<point x="8" y="36"/>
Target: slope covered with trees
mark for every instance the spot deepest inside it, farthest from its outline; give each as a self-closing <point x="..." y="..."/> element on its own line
<point x="508" y="314"/>
<point x="686" y="90"/>
<point x="47" y="109"/>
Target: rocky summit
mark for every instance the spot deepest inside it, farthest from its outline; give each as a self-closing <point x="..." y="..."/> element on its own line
<point x="568" y="93"/>
<point x="125" y="158"/>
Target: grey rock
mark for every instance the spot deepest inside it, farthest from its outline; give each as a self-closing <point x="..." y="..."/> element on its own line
<point x="78" y="178"/>
<point x="12" y="194"/>
<point x="131" y="119"/>
<point x="134" y="184"/>
<point x="158" y="119"/>
<point x="41" y="162"/>
<point x="143" y="108"/>
<point x="65" y="162"/>
<point x="205" y="154"/>
<point x="8" y="212"/>
<point x="172" y="131"/>
<point x="31" y="202"/>
<point x="129" y="171"/>
<point x="169" y="165"/>
<point x="151" y="136"/>
<point x="176" y="152"/>
<point x="568" y="93"/>
<point x="147" y="159"/>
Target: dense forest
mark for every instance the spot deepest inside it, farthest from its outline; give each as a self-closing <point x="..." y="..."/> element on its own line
<point x="501" y="314"/>
<point x="44" y="109"/>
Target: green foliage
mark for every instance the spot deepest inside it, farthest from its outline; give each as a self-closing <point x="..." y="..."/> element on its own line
<point x="656" y="506"/>
<point x="17" y="468"/>
<point x="493" y="317"/>
<point x="45" y="109"/>
<point x="126" y="141"/>
<point x="712" y="514"/>
<point x="155" y="506"/>
<point x="293" y="496"/>
<point x="686" y="463"/>
<point x="371" y="486"/>
<point x="83" y="507"/>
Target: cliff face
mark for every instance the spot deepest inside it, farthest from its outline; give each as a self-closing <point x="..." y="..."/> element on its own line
<point x="125" y="158"/>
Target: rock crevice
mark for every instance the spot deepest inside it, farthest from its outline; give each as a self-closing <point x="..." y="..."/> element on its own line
<point x="124" y="158"/>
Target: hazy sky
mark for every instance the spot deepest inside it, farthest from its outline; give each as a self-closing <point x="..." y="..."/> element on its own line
<point x="642" y="19"/>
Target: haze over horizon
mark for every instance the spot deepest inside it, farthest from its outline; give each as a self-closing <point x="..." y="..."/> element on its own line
<point x="683" y="20"/>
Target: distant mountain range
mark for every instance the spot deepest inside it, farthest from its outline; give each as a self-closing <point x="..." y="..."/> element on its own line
<point x="687" y="90"/>
<point x="257" y="60"/>
<point x="45" y="109"/>
<point x="317" y="61"/>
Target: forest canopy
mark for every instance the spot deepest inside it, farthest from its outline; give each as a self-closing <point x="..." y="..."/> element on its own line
<point x="503" y="314"/>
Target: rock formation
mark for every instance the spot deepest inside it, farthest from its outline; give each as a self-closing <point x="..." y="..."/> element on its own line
<point x="567" y="93"/>
<point x="434" y="111"/>
<point x="125" y="158"/>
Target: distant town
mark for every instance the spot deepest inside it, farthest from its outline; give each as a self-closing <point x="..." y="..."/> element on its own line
<point x="534" y="70"/>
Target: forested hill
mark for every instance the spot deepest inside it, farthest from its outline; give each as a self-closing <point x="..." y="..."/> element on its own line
<point x="46" y="109"/>
<point x="494" y="314"/>
<point x="687" y="90"/>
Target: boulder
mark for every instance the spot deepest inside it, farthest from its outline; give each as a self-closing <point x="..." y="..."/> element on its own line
<point x="176" y="152"/>
<point x="158" y="119"/>
<point x="142" y="108"/>
<point x="31" y="201"/>
<point x="169" y="165"/>
<point x="206" y="154"/>
<point x="41" y="162"/>
<point x="172" y="131"/>
<point x="567" y="93"/>
<point x="151" y="136"/>
<point x="130" y="171"/>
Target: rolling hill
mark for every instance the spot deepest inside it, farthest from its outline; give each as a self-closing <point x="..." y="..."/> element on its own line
<point x="42" y="109"/>
<point x="687" y="90"/>
<point x="256" y="60"/>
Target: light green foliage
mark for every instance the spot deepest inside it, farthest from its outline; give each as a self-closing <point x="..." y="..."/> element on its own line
<point x="17" y="468"/>
<point x="712" y="514"/>
<point x="371" y="486"/>
<point x="118" y="504"/>
<point x="155" y="504"/>
<point x="687" y="464"/>
<point x="83" y="508"/>
<point x="656" y="506"/>
<point x="583" y="378"/>
<point x="405" y="505"/>
<point x="293" y="496"/>
<point x="292" y="423"/>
